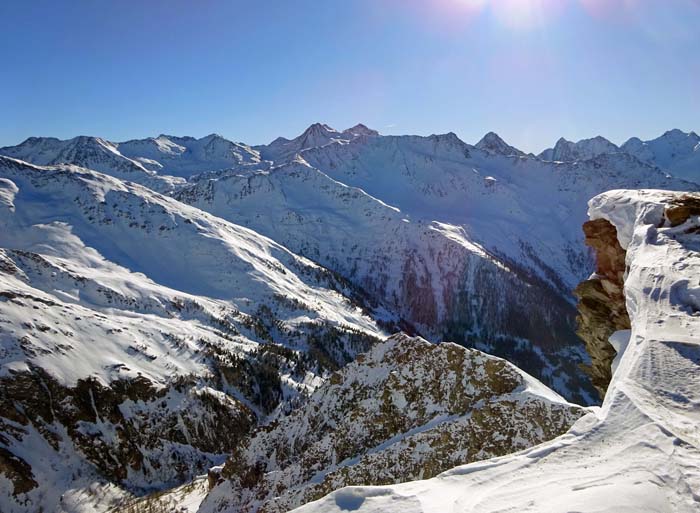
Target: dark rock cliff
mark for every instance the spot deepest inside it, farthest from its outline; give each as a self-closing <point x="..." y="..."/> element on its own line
<point x="601" y="303"/>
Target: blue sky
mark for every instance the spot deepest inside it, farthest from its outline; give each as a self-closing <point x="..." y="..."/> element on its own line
<point x="531" y="70"/>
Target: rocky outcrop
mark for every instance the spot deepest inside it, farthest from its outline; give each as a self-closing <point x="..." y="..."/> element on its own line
<point x="681" y="208"/>
<point x="601" y="303"/>
<point x="132" y="432"/>
<point x="407" y="409"/>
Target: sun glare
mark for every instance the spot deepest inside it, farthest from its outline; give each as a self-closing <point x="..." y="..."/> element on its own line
<point x="516" y="14"/>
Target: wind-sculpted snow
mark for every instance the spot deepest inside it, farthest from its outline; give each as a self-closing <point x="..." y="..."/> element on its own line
<point x="641" y="450"/>
<point x="141" y="340"/>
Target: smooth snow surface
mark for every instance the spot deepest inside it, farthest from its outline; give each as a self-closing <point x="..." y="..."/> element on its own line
<point x="640" y="452"/>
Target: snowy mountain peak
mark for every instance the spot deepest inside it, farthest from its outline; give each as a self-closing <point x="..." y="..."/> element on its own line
<point x="675" y="133"/>
<point x="214" y="137"/>
<point x="359" y="130"/>
<point x="187" y="156"/>
<point x="493" y="143"/>
<point x="319" y="128"/>
<point x="317" y="135"/>
<point x="675" y="151"/>
<point x="450" y="137"/>
<point x="85" y="151"/>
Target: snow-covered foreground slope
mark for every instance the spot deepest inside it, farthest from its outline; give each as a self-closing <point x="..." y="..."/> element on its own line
<point x="641" y="450"/>
<point x="141" y="340"/>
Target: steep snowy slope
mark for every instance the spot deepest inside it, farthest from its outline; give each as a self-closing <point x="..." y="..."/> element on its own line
<point x="429" y="274"/>
<point x="641" y="451"/>
<point x="527" y="210"/>
<point x="567" y="151"/>
<point x="405" y="410"/>
<point x="675" y="151"/>
<point x="141" y="340"/>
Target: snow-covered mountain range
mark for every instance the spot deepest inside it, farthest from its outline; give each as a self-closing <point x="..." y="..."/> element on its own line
<point x="675" y="151"/>
<point x="164" y="300"/>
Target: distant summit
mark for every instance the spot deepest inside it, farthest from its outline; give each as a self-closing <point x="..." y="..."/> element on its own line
<point x="493" y="143"/>
<point x="567" y="151"/>
<point x="317" y="135"/>
<point x="360" y="129"/>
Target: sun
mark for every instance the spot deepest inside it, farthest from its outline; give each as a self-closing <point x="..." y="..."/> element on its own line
<point x="514" y="14"/>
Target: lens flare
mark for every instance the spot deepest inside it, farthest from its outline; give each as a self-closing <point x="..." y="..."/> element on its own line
<point x="514" y="14"/>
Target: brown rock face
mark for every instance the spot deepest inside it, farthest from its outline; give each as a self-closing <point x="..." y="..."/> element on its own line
<point x="122" y="429"/>
<point x="601" y="306"/>
<point x="682" y="208"/>
<point x="17" y="471"/>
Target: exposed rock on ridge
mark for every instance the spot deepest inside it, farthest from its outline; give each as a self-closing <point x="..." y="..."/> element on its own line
<point x="407" y="409"/>
<point x="601" y="304"/>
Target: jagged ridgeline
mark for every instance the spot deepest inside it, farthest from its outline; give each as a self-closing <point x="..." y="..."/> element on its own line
<point x="406" y="410"/>
<point x="161" y="299"/>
